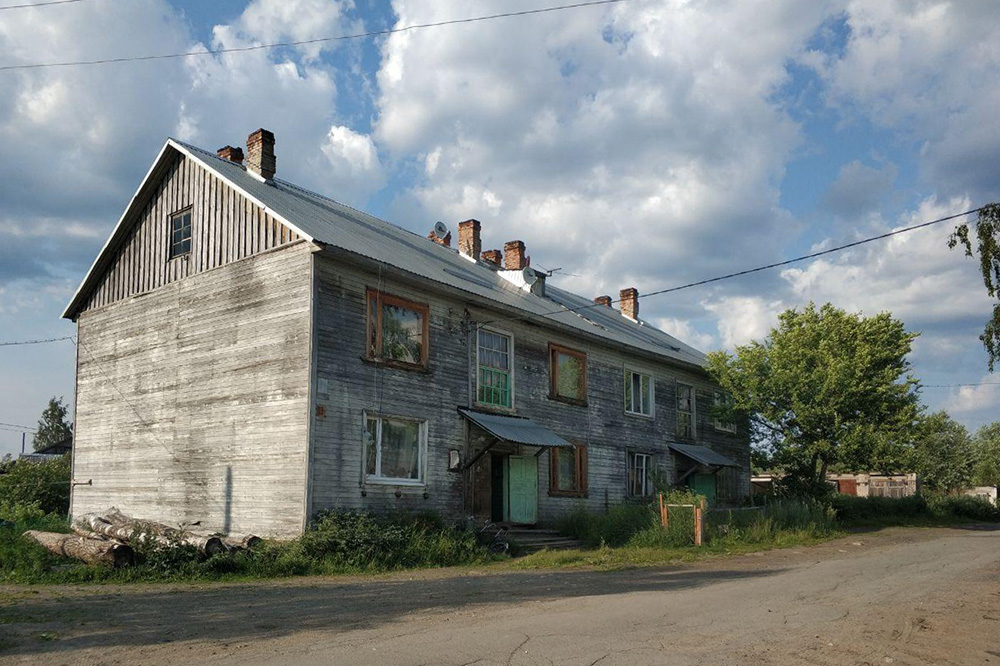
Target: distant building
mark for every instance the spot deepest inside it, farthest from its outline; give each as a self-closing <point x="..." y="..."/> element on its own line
<point x="858" y="485"/>
<point x="50" y="452"/>
<point x="989" y="493"/>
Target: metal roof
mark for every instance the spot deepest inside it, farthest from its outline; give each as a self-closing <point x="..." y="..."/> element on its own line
<point x="702" y="455"/>
<point x="516" y="429"/>
<point x="323" y="220"/>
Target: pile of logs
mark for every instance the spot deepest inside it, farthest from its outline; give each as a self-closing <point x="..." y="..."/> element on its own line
<point x="109" y="537"/>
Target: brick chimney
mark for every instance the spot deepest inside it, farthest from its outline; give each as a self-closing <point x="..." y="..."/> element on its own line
<point x="469" y="242"/>
<point x="603" y="300"/>
<point x="493" y="256"/>
<point x="260" y="154"/>
<point x="446" y="241"/>
<point x="231" y="154"/>
<point x="630" y="302"/>
<point x="513" y="256"/>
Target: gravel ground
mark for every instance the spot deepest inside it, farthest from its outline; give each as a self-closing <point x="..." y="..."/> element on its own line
<point x="898" y="596"/>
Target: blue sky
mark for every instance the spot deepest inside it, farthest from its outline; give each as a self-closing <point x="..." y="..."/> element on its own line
<point x="644" y="143"/>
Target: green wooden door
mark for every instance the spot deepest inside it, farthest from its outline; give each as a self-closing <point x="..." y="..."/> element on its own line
<point x="522" y="489"/>
<point x="704" y="484"/>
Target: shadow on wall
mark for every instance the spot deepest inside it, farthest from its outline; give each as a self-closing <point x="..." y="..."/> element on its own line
<point x="269" y="610"/>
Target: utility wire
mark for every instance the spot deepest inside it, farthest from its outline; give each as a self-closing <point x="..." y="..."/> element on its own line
<point x="34" y="342"/>
<point x="39" y="4"/>
<point x="14" y="425"/>
<point x="959" y="385"/>
<point x="729" y="276"/>
<point x="318" y="40"/>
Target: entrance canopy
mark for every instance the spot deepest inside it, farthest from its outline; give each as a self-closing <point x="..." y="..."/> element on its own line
<point x="514" y="429"/>
<point x="702" y="455"/>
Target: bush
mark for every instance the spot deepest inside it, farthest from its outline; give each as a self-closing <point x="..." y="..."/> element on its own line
<point x="613" y="528"/>
<point x="932" y="508"/>
<point x="963" y="506"/>
<point x="32" y="489"/>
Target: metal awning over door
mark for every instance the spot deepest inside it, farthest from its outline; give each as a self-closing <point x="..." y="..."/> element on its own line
<point x="514" y="429"/>
<point x="702" y="455"/>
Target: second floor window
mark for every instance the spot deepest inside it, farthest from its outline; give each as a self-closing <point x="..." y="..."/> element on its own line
<point x="638" y="393"/>
<point x="723" y="402"/>
<point x="397" y="330"/>
<point x="495" y="385"/>
<point x="685" y="411"/>
<point x="180" y="233"/>
<point x="567" y="375"/>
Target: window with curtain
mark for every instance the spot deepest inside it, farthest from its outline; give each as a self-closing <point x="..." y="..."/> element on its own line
<point x="394" y="449"/>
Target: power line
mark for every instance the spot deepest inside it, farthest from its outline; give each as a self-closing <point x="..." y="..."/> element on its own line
<point x="959" y="385"/>
<point x="39" y="4"/>
<point x="318" y="40"/>
<point x="34" y="342"/>
<point x="14" y="425"/>
<point x="729" y="276"/>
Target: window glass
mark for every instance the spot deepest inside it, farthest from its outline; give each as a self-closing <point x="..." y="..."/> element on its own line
<point x="396" y="329"/>
<point x="723" y="401"/>
<point x="638" y="393"/>
<point x="568" y="470"/>
<point x="685" y="411"/>
<point x="393" y="449"/>
<point x="180" y="234"/>
<point x="639" y="470"/>
<point x="494" y="369"/>
<point x="570" y="370"/>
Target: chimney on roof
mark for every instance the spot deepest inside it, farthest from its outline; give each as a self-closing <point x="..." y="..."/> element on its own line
<point x="469" y="242"/>
<point x="513" y="256"/>
<point x="231" y="154"/>
<point x="493" y="256"/>
<point x="441" y="240"/>
<point x="260" y="154"/>
<point x="603" y="300"/>
<point x="630" y="302"/>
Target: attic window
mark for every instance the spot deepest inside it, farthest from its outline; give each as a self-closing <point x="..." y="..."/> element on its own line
<point x="180" y="233"/>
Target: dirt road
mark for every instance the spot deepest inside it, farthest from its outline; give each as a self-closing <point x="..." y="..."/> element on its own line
<point x="891" y="597"/>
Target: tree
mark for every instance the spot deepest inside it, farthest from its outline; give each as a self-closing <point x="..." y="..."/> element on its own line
<point x="943" y="453"/>
<point x="987" y="236"/>
<point x="986" y="447"/>
<point x="826" y="388"/>
<point x="53" y="426"/>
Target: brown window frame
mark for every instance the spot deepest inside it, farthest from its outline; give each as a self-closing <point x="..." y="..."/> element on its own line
<point x="580" y="471"/>
<point x="382" y="298"/>
<point x="554" y="350"/>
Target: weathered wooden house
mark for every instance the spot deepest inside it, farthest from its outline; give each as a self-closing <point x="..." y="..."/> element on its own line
<point x="250" y="352"/>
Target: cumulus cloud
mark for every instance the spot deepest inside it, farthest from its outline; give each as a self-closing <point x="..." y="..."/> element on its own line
<point x="742" y="319"/>
<point x="859" y="189"/>
<point x="966" y="399"/>
<point x="354" y="164"/>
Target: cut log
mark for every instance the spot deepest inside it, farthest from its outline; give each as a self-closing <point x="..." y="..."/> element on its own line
<point x="115" y="524"/>
<point x="91" y="551"/>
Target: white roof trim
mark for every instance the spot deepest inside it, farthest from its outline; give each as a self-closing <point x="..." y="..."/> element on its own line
<point x="170" y="143"/>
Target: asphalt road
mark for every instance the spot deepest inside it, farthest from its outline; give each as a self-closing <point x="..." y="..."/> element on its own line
<point x="918" y="596"/>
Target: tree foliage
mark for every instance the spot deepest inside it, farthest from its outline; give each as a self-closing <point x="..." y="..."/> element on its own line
<point x="986" y="233"/>
<point x="943" y="453"/>
<point x="826" y="388"/>
<point x="986" y="445"/>
<point x="53" y="427"/>
<point x="41" y="487"/>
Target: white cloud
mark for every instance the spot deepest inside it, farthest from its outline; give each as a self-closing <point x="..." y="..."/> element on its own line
<point x="742" y="319"/>
<point x="685" y="332"/>
<point x="976" y="398"/>
<point x="354" y="165"/>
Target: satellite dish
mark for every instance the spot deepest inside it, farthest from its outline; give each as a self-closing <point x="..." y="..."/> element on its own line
<point x="440" y="229"/>
<point x="529" y="276"/>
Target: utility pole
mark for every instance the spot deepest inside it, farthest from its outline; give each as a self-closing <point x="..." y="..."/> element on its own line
<point x="23" y="434"/>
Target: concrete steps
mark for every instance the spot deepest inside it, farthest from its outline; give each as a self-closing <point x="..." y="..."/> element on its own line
<point x="533" y="539"/>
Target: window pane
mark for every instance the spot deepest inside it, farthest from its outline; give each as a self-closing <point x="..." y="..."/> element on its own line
<point x="569" y="375"/>
<point x="372" y="325"/>
<point x="370" y="458"/>
<point x="629" y="405"/>
<point x="400" y="449"/>
<point x="644" y="393"/>
<point x="566" y="469"/>
<point x="402" y="334"/>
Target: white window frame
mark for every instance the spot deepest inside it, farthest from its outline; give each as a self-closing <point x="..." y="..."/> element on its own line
<point x="722" y="426"/>
<point x="510" y="339"/>
<point x="647" y="470"/>
<point x="693" y="412"/>
<point x="387" y="480"/>
<point x="627" y="382"/>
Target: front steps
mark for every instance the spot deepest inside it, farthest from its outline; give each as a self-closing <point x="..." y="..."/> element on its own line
<point x="532" y="539"/>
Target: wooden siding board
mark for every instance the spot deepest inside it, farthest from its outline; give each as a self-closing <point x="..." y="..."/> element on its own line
<point x="215" y="370"/>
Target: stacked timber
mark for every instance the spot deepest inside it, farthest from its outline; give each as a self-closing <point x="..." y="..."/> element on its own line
<point x="109" y="537"/>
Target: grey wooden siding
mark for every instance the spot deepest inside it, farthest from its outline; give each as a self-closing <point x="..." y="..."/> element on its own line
<point x="354" y="385"/>
<point x="192" y="400"/>
<point x="226" y="227"/>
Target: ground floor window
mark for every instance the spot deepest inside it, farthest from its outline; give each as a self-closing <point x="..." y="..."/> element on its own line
<point x="640" y="471"/>
<point x="394" y="449"/>
<point x="568" y="471"/>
